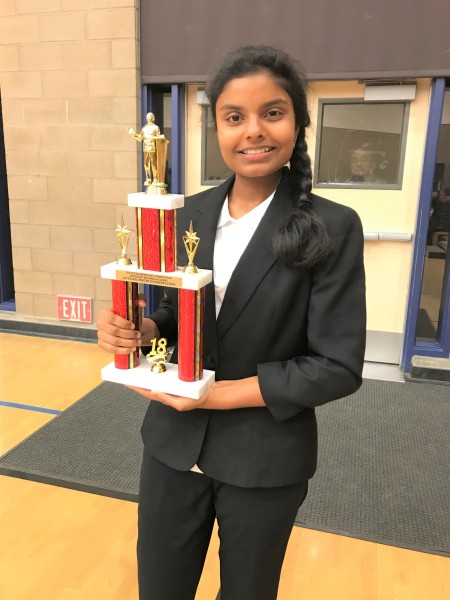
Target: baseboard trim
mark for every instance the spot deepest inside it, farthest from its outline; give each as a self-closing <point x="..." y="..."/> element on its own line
<point x="47" y="330"/>
<point x="410" y="379"/>
<point x="383" y="347"/>
<point x="429" y="368"/>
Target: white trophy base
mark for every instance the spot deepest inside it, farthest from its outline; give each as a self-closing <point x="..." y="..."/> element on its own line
<point x="166" y="201"/>
<point x="161" y="382"/>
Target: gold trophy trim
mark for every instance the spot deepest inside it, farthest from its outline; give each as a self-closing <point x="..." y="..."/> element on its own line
<point x="139" y="238"/>
<point x="131" y="307"/>
<point x="191" y="242"/>
<point x="198" y="332"/>
<point x="162" y="240"/>
<point x="123" y="235"/>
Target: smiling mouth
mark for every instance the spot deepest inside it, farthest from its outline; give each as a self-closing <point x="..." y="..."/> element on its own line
<point x="257" y="150"/>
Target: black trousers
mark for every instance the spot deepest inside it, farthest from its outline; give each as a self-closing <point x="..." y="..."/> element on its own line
<point x="177" y="510"/>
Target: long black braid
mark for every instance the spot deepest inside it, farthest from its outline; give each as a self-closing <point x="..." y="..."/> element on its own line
<point x="303" y="239"/>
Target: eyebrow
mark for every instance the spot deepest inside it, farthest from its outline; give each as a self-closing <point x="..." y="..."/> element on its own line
<point x="265" y="105"/>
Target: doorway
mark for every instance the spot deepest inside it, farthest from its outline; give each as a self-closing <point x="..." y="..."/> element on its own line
<point x="167" y="102"/>
<point x="428" y="323"/>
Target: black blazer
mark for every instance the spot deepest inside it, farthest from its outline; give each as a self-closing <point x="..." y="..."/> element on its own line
<point x="301" y="331"/>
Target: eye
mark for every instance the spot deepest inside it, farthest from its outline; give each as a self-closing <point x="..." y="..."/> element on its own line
<point x="274" y="113"/>
<point x="234" y="118"/>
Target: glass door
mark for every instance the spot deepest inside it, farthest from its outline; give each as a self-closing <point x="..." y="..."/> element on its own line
<point x="428" y="323"/>
<point x="434" y="297"/>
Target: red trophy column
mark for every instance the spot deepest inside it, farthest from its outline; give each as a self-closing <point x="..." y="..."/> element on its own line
<point x="125" y="304"/>
<point x="156" y="233"/>
<point x="191" y="309"/>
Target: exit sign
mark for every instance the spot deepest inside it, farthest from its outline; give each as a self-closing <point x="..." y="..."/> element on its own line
<point x="74" y="308"/>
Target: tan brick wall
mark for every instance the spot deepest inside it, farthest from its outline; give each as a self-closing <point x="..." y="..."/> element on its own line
<point x="70" y="88"/>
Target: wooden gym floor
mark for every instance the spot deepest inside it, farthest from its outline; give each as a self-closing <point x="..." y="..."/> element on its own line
<point x="59" y="544"/>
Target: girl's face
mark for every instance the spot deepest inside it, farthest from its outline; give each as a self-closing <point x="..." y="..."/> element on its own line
<point x="255" y="126"/>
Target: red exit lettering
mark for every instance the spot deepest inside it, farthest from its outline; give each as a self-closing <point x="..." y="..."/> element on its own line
<point x="74" y="308"/>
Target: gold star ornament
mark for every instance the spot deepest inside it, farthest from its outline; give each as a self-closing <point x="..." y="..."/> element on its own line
<point x="191" y="242"/>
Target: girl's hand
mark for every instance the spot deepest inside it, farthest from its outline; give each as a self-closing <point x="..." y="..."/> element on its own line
<point x="179" y="403"/>
<point x="222" y="395"/>
<point x="115" y="334"/>
<point x="119" y="336"/>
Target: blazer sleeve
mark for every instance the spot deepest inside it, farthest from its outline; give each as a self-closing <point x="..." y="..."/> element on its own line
<point x="332" y="366"/>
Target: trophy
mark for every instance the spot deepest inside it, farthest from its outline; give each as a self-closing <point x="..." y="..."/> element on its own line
<point x="157" y="265"/>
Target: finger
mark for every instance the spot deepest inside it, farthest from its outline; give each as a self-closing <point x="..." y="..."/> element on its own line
<point x="125" y="345"/>
<point x="150" y="394"/>
<point x="180" y="403"/>
<point x="113" y="349"/>
<point x="107" y="317"/>
<point x="121" y="323"/>
<point x="143" y="392"/>
<point x="120" y="332"/>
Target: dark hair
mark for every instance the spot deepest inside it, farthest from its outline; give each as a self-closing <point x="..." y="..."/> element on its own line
<point x="302" y="240"/>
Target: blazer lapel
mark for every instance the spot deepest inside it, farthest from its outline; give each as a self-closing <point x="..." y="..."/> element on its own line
<point x="204" y="221"/>
<point x="255" y="262"/>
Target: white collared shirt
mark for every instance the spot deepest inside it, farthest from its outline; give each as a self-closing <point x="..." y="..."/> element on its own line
<point x="232" y="238"/>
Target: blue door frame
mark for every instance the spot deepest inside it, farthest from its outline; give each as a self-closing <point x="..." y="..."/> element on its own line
<point x="411" y="347"/>
<point x="149" y="104"/>
<point x="6" y="265"/>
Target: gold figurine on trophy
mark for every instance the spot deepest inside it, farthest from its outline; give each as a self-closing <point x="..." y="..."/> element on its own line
<point x="123" y="235"/>
<point x="158" y="355"/>
<point x="191" y="242"/>
<point x="155" y="155"/>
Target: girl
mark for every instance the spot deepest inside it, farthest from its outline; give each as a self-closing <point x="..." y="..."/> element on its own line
<point x="284" y="332"/>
